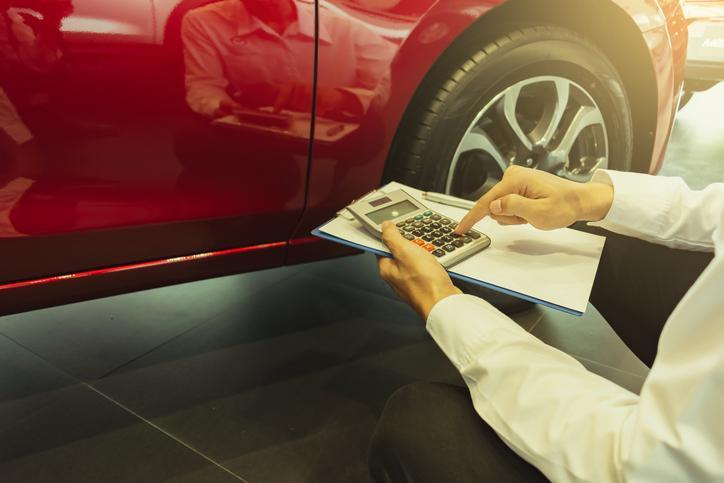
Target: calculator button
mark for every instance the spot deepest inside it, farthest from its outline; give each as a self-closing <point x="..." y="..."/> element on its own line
<point x="447" y="230"/>
<point x="427" y="229"/>
<point x="445" y="221"/>
<point x="455" y="235"/>
<point x="438" y="243"/>
<point x="419" y="242"/>
<point x="418" y="224"/>
<point x="419" y="217"/>
<point x="447" y="239"/>
<point x="458" y="243"/>
<point x="428" y="238"/>
<point x="437" y="234"/>
<point x="427" y="221"/>
<point x="408" y="228"/>
<point x="436" y="226"/>
<point x="430" y="247"/>
<point x="428" y="213"/>
<point x="417" y="233"/>
<point x="408" y="236"/>
<point x="449" y="248"/>
<point x="439" y="253"/>
<point x="453" y="225"/>
<point x="436" y="217"/>
<point x="473" y="234"/>
<point x="409" y="220"/>
<point x="466" y="239"/>
<point x="401" y="224"/>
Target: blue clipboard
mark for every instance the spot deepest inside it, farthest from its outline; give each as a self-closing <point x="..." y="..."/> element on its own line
<point x="320" y="234"/>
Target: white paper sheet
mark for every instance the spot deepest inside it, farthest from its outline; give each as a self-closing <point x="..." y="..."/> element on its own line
<point x="556" y="268"/>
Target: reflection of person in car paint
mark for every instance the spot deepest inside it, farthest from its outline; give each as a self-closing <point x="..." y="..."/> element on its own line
<point x="29" y="50"/>
<point x="247" y="54"/>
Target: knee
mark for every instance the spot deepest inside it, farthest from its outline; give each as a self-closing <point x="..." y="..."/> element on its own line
<point x="401" y="436"/>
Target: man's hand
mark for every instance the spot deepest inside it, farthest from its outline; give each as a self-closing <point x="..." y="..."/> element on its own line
<point x="414" y="273"/>
<point x="544" y="200"/>
<point x="226" y="107"/>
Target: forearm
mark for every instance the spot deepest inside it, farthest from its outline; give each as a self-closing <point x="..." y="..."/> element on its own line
<point x="661" y="210"/>
<point x="548" y="408"/>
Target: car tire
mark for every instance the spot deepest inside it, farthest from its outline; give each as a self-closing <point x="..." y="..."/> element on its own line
<point x="443" y="114"/>
<point x="429" y="150"/>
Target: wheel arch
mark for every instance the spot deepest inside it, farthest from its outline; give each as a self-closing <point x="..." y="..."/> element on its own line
<point x="627" y="50"/>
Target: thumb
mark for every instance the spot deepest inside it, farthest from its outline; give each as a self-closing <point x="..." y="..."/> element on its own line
<point x="514" y="205"/>
<point x="393" y="239"/>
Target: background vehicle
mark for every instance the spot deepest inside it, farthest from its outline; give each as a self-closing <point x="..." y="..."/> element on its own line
<point x="705" y="58"/>
<point x="129" y="182"/>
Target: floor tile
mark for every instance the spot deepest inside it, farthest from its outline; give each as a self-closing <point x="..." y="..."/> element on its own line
<point x="589" y="337"/>
<point x="289" y="388"/>
<point x="53" y="428"/>
<point x="358" y="271"/>
<point x="89" y="339"/>
<point x="627" y="380"/>
<point x="696" y="149"/>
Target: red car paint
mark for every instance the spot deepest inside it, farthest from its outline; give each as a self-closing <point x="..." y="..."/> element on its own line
<point x="126" y="164"/>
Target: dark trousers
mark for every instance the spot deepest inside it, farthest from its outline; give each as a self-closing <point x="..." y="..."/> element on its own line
<point x="431" y="433"/>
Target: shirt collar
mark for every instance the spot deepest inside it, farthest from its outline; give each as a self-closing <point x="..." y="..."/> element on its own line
<point x="305" y="24"/>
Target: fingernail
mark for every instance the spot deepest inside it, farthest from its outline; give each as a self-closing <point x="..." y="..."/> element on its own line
<point x="496" y="207"/>
<point x="385" y="224"/>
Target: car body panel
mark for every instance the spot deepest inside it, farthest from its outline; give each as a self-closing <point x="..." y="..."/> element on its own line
<point x="132" y="172"/>
<point x="705" y="60"/>
<point x="342" y="172"/>
<point x="123" y="158"/>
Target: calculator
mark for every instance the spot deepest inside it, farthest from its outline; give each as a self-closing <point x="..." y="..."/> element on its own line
<point x="420" y="225"/>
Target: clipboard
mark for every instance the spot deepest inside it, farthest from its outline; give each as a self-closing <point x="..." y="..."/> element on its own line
<point x="554" y="268"/>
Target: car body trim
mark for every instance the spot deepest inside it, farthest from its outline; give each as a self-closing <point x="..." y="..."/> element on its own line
<point x="140" y="265"/>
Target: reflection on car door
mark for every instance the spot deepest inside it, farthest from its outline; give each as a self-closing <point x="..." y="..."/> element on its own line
<point x="126" y="136"/>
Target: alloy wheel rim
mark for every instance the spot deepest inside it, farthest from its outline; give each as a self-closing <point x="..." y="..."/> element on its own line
<point x="546" y="122"/>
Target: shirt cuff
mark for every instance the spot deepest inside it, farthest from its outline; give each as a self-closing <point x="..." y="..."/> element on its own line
<point x="18" y="132"/>
<point x="637" y="199"/>
<point x="461" y="324"/>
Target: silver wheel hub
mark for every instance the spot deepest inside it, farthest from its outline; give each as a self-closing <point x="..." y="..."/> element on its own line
<point x="549" y="123"/>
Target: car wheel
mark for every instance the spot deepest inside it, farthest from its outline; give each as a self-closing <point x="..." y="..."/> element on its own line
<point x="543" y="97"/>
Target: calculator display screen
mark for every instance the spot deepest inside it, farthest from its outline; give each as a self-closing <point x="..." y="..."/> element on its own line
<point x="393" y="211"/>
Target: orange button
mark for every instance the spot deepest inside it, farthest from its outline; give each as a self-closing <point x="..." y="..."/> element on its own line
<point x="419" y="242"/>
<point x="430" y="247"/>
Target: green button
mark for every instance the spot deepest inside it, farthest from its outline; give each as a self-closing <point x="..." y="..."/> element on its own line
<point x="418" y="217"/>
<point x="427" y="213"/>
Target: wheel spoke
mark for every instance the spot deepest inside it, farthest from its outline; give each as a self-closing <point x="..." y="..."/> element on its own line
<point x="562" y="94"/>
<point x="478" y="140"/>
<point x="510" y="104"/>
<point x="475" y="140"/>
<point x="585" y="117"/>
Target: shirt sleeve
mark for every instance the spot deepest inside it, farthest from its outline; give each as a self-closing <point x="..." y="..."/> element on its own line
<point x="206" y="83"/>
<point x="10" y="121"/>
<point x="566" y="421"/>
<point x="663" y="210"/>
<point x="575" y="426"/>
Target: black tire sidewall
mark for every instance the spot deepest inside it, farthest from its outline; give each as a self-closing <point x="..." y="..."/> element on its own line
<point x="548" y="53"/>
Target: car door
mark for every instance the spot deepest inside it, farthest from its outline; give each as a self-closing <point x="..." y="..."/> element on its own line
<point x="113" y="148"/>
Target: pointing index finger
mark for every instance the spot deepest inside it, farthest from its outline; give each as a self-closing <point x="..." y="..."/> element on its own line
<point x="482" y="207"/>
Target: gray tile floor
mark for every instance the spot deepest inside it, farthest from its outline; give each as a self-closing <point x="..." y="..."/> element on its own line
<point x="272" y="376"/>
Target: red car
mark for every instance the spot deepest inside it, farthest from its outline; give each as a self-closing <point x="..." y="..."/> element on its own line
<point x="149" y="142"/>
<point x="705" y="57"/>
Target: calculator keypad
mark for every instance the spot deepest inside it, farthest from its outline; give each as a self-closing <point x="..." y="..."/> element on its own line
<point x="434" y="233"/>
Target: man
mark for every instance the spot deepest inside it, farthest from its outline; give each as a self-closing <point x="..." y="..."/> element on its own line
<point x="258" y="53"/>
<point x="570" y="424"/>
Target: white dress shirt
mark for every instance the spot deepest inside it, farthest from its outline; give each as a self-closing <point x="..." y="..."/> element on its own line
<point x="10" y="121"/>
<point x="576" y="426"/>
<point x="226" y="48"/>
